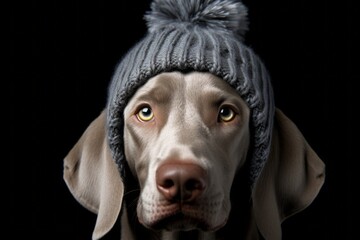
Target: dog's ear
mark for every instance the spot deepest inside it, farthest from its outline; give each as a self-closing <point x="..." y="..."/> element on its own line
<point x="93" y="177"/>
<point x="291" y="179"/>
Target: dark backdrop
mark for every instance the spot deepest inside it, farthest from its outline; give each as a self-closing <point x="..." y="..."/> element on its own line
<point x="65" y="55"/>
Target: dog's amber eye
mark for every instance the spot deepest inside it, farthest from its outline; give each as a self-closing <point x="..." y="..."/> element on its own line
<point x="226" y="114"/>
<point x="145" y="114"/>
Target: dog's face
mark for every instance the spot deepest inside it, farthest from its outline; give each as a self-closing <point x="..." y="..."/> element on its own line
<point x="185" y="137"/>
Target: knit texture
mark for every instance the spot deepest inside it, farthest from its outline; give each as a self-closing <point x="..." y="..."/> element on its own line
<point x="196" y="35"/>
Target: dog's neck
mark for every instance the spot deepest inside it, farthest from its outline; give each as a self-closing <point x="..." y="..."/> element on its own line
<point x="194" y="234"/>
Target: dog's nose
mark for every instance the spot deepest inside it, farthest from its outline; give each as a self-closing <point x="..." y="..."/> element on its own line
<point x="182" y="182"/>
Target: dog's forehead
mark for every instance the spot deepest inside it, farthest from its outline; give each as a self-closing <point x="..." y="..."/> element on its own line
<point x="191" y="82"/>
<point x="179" y="88"/>
<point x="208" y="83"/>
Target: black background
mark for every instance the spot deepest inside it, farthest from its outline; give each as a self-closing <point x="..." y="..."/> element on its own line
<point x="65" y="54"/>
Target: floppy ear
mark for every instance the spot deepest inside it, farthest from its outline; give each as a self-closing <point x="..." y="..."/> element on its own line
<point x="93" y="177"/>
<point x="291" y="179"/>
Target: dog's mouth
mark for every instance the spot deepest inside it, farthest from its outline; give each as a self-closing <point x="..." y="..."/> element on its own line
<point x="178" y="217"/>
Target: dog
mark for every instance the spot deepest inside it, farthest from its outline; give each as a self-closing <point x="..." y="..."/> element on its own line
<point x="186" y="141"/>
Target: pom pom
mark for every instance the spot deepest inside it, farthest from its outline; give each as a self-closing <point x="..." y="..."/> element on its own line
<point x="229" y="15"/>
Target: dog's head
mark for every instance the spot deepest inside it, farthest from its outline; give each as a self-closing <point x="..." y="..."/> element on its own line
<point x="189" y="108"/>
<point x="186" y="138"/>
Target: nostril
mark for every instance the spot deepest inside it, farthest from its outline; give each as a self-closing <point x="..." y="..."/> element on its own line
<point x="168" y="183"/>
<point x="194" y="184"/>
<point x="168" y="186"/>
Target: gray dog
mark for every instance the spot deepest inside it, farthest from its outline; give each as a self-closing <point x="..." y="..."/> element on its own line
<point x="190" y="144"/>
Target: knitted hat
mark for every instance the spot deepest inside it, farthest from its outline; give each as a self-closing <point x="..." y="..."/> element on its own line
<point x="195" y="35"/>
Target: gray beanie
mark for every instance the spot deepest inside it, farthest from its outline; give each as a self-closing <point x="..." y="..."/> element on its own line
<point x="196" y="35"/>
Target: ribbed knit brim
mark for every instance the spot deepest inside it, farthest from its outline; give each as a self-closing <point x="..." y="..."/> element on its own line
<point x="187" y="47"/>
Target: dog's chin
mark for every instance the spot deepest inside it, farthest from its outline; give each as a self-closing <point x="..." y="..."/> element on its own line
<point x="182" y="222"/>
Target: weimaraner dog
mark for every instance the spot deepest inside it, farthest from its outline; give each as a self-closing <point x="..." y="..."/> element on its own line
<point x="186" y="139"/>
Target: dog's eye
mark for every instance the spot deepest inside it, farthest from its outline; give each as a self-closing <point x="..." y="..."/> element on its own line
<point x="226" y="114"/>
<point x="145" y="114"/>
